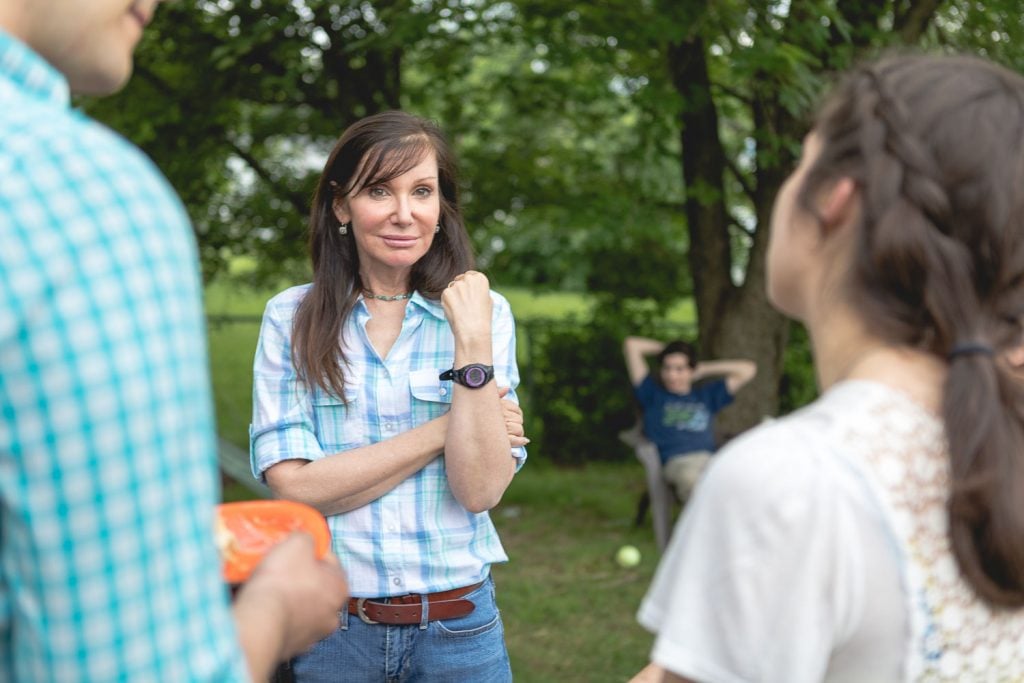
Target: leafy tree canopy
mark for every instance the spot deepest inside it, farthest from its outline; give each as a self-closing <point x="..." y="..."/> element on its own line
<point x="632" y="147"/>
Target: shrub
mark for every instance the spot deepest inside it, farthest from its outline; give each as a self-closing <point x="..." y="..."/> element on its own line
<point x="579" y="388"/>
<point x="798" y="385"/>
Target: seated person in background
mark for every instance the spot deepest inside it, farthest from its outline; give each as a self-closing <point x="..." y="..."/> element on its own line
<point x="679" y="417"/>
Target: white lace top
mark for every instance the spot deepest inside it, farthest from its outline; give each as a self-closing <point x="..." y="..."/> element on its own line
<point x="953" y="636"/>
<point x="815" y="549"/>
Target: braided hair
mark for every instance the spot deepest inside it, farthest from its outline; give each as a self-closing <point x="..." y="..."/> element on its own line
<point x="936" y="148"/>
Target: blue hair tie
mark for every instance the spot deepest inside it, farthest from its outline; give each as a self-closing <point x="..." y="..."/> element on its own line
<point x="971" y="349"/>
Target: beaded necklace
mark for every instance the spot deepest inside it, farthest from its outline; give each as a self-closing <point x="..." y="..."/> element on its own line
<point x="384" y="297"/>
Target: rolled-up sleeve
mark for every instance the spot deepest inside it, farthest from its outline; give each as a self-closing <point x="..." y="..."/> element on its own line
<point x="506" y="369"/>
<point x="282" y="417"/>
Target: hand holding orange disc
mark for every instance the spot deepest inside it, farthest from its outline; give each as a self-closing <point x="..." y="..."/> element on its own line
<point x="246" y="530"/>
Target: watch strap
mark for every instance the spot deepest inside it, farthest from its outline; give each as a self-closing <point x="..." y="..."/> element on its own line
<point x="460" y="375"/>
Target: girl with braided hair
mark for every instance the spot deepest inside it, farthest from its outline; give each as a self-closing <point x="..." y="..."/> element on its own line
<point x="877" y="534"/>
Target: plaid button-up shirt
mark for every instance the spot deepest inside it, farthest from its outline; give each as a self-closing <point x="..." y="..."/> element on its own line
<point x="108" y="475"/>
<point x="416" y="538"/>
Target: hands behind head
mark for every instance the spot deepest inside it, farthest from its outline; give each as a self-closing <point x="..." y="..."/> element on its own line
<point x="467" y="305"/>
<point x="302" y="594"/>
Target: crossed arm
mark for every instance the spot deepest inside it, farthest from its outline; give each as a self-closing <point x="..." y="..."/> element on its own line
<point x="476" y="435"/>
<point x="336" y="485"/>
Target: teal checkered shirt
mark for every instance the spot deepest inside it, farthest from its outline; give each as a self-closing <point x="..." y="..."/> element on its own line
<point x="108" y="479"/>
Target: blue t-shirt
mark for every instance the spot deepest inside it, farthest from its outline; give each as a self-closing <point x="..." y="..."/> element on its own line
<point x="681" y="423"/>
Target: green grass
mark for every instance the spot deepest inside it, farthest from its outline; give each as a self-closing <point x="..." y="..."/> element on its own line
<point x="232" y="347"/>
<point x="569" y="609"/>
<point x="224" y="297"/>
<point x="526" y="304"/>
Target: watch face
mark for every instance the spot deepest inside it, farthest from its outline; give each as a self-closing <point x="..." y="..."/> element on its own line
<point x="475" y="376"/>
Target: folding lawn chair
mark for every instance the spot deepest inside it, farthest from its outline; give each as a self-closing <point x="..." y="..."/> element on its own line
<point x="659" y="494"/>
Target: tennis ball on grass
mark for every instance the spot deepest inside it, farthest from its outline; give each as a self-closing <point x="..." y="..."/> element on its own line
<point x="628" y="556"/>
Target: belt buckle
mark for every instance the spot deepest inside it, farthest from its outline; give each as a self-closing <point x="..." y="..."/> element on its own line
<point x="361" y="611"/>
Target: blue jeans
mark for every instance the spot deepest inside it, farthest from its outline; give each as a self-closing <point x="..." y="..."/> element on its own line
<point x="468" y="649"/>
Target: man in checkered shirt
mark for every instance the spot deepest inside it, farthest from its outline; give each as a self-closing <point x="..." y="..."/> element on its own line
<point x="108" y="568"/>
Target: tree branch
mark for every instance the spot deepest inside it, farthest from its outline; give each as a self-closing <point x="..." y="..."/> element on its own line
<point x="142" y="72"/>
<point x="739" y="226"/>
<point x="744" y="182"/>
<point x="298" y="202"/>
<point x="911" y="23"/>
<point x="677" y="207"/>
<point x="732" y="92"/>
<point x="862" y="18"/>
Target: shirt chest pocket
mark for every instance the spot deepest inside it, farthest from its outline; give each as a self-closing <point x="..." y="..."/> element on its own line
<point x="339" y="425"/>
<point x="431" y="397"/>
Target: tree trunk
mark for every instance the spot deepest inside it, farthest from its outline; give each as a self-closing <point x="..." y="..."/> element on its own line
<point x="737" y="321"/>
<point x="733" y="322"/>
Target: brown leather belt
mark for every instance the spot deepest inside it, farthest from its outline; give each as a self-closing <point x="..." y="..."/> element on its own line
<point x="408" y="609"/>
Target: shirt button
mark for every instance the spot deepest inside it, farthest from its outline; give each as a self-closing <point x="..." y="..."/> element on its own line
<point x="443" y="391"/>
<point x="397" y="581"/>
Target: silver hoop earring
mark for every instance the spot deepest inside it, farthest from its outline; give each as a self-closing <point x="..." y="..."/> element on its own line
<point x="343" y="229"/>
<point x="437" y="228"/>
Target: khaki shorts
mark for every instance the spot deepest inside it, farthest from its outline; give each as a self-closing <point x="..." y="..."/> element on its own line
<point x="683" y="472"/>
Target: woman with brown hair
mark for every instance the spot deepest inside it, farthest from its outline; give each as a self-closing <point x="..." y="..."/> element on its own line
<point x="378" y="400"/>
<point x="877" y="534"/>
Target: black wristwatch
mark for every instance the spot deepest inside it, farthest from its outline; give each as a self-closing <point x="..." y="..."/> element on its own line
<point x="474" y="375"/>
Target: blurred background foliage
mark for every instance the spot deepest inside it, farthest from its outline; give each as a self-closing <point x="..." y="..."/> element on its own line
<point x="628" y="150"/>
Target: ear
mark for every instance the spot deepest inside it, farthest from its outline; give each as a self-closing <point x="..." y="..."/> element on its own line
<point x="340" y="208"/>
<point x="840" y="204"/>
<point x="1015" y="357"/>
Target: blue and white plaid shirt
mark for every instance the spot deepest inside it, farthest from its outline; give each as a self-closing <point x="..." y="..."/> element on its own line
<point x="108" y="568"/>
<point x="416" y="538"/>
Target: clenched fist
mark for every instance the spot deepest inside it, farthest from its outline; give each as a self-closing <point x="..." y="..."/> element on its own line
<point x="467" y="305"/>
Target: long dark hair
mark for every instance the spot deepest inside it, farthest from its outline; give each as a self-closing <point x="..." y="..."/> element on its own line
<point x="373" y="150"/>
<point x="936" y="147"/>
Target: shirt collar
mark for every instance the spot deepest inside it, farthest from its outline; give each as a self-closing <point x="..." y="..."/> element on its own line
<point x="432" y="306"/>
<point x="29" y="72"/>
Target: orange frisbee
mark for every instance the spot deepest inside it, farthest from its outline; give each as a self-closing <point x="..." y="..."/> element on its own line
<point x="246" y="530"/>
